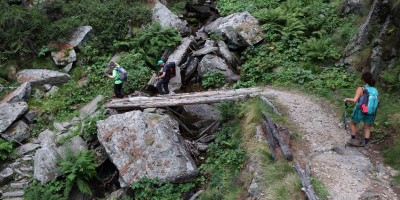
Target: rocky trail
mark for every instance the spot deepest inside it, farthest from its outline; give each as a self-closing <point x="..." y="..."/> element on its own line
<point x="347" y="172"/>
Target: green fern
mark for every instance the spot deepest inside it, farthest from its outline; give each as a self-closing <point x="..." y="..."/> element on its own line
<point x="78" y="169"/>
<point x="6" y="148"/>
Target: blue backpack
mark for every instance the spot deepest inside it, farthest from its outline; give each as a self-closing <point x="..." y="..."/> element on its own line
<point x="123" y="74"/>
<point x="368" y="102"/>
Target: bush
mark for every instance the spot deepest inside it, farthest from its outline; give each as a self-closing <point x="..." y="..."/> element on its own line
<point x="78" y="170"/>
<point x="49" y="191"/>
<point x="147" y="188"/>
<point x="213" y="80"/>
<point x="6" y="148"/>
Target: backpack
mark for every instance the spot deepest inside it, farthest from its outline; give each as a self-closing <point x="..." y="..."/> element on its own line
<point x="368" y="102"/>
<point x="172" y="69"/>
<point x="123" y="74"/>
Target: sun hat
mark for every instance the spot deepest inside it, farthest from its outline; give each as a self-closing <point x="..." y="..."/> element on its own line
<point x="160" y="62"/>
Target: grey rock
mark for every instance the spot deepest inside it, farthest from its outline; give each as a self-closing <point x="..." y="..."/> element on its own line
<point x="101" y="155"/>
<point x="19" y="185"/>
<point x="75" y="121"/>
<point x="146" y="145"/>
<point x="166" y="18"/>
<point x="205" y="50"/>
<point x="22" y="93"/>
<point x="61" y="138"/>
<point x="239" y="29"/>
<point x="42" y="76"/>
<point x="203" y="111"/>
<point x="13" y="194"/>
<point x="58" y="126"/>
<point x="47" y="87"/>
<point x="352" y="7"/>
<point x="45" y="164"/>
<point x="30" y="116"/>
<point x="76" y="145"/>
<point x="91" y="107"/>
<point x="210" y="43"/>
<point x="9" y="112"/>
<point x="150" y="110"/>
<point x="201" y="146"/>
<point x="53" y="90"/>
<point x="64" y="56"/>
<point x="26" y="148"/>
<point x="68" y="67"/>
<point x="6" y="176"/>
<point x="212" y="63"/>
<point x="80" y="36"/>
<point x="18" y="132"/>
<point x="229" y="57"/>
<point x="47" y="139"/>
<point x="38" y="94"/>
<point x="191" y="68"/>
<point x="66" y="124"/>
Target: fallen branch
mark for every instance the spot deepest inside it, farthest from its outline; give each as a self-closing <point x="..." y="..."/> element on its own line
<point x="305" y="181"/>
<point x="287" y="153"/>
<point x="270" y="139"/>
<point x="266" y="101"/>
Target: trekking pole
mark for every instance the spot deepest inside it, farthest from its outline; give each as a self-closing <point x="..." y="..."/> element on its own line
<point x="345" y="123"/>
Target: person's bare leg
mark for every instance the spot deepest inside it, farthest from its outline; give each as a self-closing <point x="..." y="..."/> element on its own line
<point x="367" y="131"/>
<point x="353" y="128"/>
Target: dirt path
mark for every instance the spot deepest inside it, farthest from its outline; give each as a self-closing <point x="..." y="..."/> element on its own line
<point x="347" y="173"/>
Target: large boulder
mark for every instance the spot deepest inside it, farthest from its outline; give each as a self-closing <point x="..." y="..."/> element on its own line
<point x="166" y="18"/>
<point x="146" y="145"/>
<point x="80" y="36"/>
<point x="229" y="57"/>
<point x="213" y="63"/>
<point x="238" y="30"/>
<point x="45" y="161"/>
<point x="22" y="93"/>
<point x="9" y="112"/>
<point x="91" y="107"/>
<point x="42" y="76"/>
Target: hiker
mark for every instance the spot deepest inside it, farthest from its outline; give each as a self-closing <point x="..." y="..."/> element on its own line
<point x="358" y="115"/>
<point x="117" y="82"/>
<point x="164" y="78"/>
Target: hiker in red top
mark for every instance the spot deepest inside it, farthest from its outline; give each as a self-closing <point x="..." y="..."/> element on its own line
<point x="359" y="114"/>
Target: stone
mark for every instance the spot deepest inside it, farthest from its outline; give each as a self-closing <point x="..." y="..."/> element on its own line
<point x="9" y="112"/>
<point x="47" y="87"/>
<point x="47" y="139"/>
<point x="19" y="185"/>
<point x="58" y="126"/>
<point x="205" y="50"/>
<point x="18" y="132"/>
<point x="166" y="18"/>
<point x="45" y="164"/>
<point x="101" y="155"/>
<point x="26" y="148"/>
<point x="146" y="145"/>
<point x="30" y="116"/>
<point x="13" y="194"/>
<point x="22" y="93"/>
<point x="80" y="36"/>
<point x="42" y="76"/>
<point x="213" y="63"/>
<point x="75" y="144"/>
<point x="53" y="90"/>
<point x="6" y="176"/>
<point x="91" y="107"/>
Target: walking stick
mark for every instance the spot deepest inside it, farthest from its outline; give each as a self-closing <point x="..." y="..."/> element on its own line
<point x="346" y="125"/>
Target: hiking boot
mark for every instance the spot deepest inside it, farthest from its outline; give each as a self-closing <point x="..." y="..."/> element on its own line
<point x="355" y="143"/>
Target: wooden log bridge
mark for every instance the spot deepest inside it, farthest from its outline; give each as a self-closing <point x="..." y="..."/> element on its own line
<point x="184" y="98"/>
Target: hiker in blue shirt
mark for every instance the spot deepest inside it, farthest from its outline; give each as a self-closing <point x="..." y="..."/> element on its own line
<point x="358" y="114"/>
<point x="117" y="82"/>
<point x="163" y="79"/>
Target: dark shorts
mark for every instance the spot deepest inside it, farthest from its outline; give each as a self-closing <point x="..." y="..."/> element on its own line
<point x="358" y="116"/>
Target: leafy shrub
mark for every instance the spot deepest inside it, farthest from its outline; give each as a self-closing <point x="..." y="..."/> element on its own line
<point x="49" y="191"/>
<point x="138" y="72"/>
<point x="78" y="170"/>
<point x="391" y="78"/>
<point x="320" y="50"/>
<point x="88" y="128"/>
<point x="213" y="80"/>
<point x="6" y="148"/>
<point x="147" y="188"/>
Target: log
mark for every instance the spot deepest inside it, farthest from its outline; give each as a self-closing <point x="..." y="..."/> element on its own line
<point x="266" y="101"/>
<point x="180" y="123"/>
<point x="287" y="153"/>
<point x="184" y="99"/>
<point x="305" y="181"/>
<point x="270" y="139"/>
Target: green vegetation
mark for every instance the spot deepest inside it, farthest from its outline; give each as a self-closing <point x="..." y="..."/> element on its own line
<point x="153" y="189"/>
<point x="6" y="148"/>
<point x="213" y="80"/>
